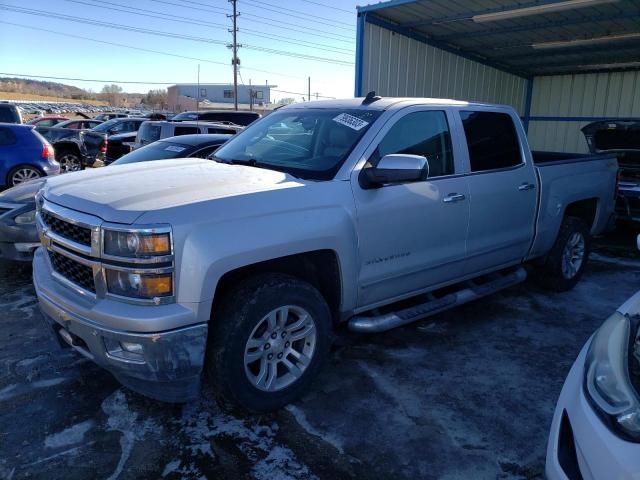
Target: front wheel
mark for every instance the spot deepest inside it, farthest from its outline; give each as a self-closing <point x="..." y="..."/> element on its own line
<point x="268" y="341"/>
<point x="568" y="257"/>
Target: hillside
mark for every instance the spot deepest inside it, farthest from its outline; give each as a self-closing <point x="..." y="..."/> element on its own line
<point x="28" y="88"/>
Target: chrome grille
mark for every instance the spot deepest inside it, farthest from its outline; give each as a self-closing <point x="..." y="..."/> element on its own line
<point x="76" y="272"/>
<point x="76" y="233"/>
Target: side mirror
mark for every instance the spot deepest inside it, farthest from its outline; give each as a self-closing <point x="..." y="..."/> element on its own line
<point x="395" y="168"/>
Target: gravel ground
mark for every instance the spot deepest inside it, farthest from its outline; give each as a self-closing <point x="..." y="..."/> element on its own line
<point x="466" y="394"/>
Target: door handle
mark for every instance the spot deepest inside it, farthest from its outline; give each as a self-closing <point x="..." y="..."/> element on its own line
<point x="526" y="186"/>
<point x="453" y="197"/>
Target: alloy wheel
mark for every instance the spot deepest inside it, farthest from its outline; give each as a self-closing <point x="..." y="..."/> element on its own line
<point x="573" y="255"/>
<point x="24" y="174"/>
<point x="280" y="348"/>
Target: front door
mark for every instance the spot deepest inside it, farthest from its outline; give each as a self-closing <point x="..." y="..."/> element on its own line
<point x="412" y="236"/>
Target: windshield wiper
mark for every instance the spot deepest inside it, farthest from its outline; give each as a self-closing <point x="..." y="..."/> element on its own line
<point x="252" y="162"/>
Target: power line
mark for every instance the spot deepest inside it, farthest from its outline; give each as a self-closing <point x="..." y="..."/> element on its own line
<point x="328" y="6"/>
<point x="125" y="82"/>
<point x="262" y="19"/>
<point x="140" y="82"/>
<point x="85" y="79"/>
<point x="303" y="16"/>
<point x="298" y="93"/>
<point x="193" y="21"/>
<point x="70" y="35"/>
<point x="83" y="20"/>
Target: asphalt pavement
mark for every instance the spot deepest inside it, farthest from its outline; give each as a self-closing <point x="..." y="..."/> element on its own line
<point x="468" y="394"/>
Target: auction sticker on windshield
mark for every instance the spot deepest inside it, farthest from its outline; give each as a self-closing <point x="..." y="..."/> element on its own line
<point x="350" y="121"/>
<point x="173" y="148"/>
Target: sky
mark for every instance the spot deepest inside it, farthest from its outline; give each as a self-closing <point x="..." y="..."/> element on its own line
<point x="41" y="39"/>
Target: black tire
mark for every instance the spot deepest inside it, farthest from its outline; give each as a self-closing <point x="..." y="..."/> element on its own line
<point x="69" y="160"/>
<point x="27" y="170"/>
<point x="551" y="274"/>
<point x="241" y="310"/>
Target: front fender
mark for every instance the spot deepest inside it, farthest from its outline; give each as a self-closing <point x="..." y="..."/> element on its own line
<point x="209" y="252"/>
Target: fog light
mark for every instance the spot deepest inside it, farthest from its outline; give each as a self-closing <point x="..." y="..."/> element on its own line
<point x="129" y="352"/>
<point x="132" y="347"/>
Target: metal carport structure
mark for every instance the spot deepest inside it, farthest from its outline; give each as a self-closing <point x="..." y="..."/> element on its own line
<point x="560" y="63"/>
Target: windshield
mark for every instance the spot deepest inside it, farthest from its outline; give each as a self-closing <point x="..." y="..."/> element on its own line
<point x="155" y="151"/>
<point x="104" y="127"/>
<point x="309" y="143"/>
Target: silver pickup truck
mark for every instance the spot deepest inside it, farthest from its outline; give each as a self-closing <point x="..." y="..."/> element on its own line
<point x="370" y="213"/>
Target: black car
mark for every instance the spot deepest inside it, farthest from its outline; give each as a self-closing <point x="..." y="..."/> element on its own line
<point x="182" y="146"/>
<point x="118" y="131"/>
<point x="18" y="233"/>
<point x="234" y="117"/>
<point x="622" y="138"/>
<point x="9" y="113"/>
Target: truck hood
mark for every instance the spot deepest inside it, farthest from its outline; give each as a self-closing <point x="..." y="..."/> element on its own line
<point x="122" y="193"/>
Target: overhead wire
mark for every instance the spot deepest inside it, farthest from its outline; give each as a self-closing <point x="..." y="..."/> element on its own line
<point x="262" y="19"/>
<point x="306" y="16"/>
<point x="147" y="31"/>
<point x="131" y="47"/>
<point x="193" y="21"/>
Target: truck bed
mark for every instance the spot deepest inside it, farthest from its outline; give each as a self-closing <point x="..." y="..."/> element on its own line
<point x="565" y="178"/>
<point x="542" y="159"/>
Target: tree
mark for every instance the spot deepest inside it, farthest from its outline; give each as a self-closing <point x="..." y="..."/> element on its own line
<point x="112" y="94"/>
<point x="156" y="98"/>
<point x="286" y="101"/>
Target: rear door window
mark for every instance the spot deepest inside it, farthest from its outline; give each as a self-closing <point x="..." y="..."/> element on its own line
<point x="7" y="115"/>
<point x="149" y="133"/>
<point x="186" y="130"/>
<point x="492" y="140"/>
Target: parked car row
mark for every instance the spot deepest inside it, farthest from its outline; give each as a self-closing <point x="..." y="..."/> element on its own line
<point x="18" y="233"/>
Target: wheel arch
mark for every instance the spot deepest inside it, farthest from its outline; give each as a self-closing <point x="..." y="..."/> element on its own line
<point x="586" y="210"/>
<point x="320" y="268"/>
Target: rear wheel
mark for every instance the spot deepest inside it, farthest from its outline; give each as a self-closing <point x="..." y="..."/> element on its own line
<point x="267" y="343"/>
<point x="568" y="257"/>
<point x="69" y="161"/>
<point x="22" y="174"/>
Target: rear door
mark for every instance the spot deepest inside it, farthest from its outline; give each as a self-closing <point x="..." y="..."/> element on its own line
<point x="412" y="236"/>
<point x="502" y="188"/>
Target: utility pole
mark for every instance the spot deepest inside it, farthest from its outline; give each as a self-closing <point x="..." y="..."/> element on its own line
<point x="198" y="91"/>
<point x="234" y="48"/>
<point x="250" y="97"/>
<point x="309" y="89"/>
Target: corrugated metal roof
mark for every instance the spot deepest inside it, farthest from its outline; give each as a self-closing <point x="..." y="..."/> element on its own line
<point x="508" y="43"/>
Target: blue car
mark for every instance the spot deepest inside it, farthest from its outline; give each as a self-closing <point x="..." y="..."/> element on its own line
<point x="24" y="155"/>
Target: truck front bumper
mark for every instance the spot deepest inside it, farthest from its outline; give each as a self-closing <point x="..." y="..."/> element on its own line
<point x="164" y="365"/>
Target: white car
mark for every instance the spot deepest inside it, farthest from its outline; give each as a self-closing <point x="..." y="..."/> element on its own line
<point x="595" y="432"/>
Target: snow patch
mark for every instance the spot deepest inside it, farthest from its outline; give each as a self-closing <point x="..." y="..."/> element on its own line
<point x="68" y="436"/>
<point x="301" y="418"/>
<point x="202" y="422"/>
<point x="121" y="419"/>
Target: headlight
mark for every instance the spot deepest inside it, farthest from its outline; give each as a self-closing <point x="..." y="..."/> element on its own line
<point x="136" y="244"/>
<point x="139" y="285"/>
<point x="607" y="378"/>
<point x="27" y="218"/>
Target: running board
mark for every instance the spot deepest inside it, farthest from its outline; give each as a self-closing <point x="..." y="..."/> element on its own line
<point x="468" y="292"/>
